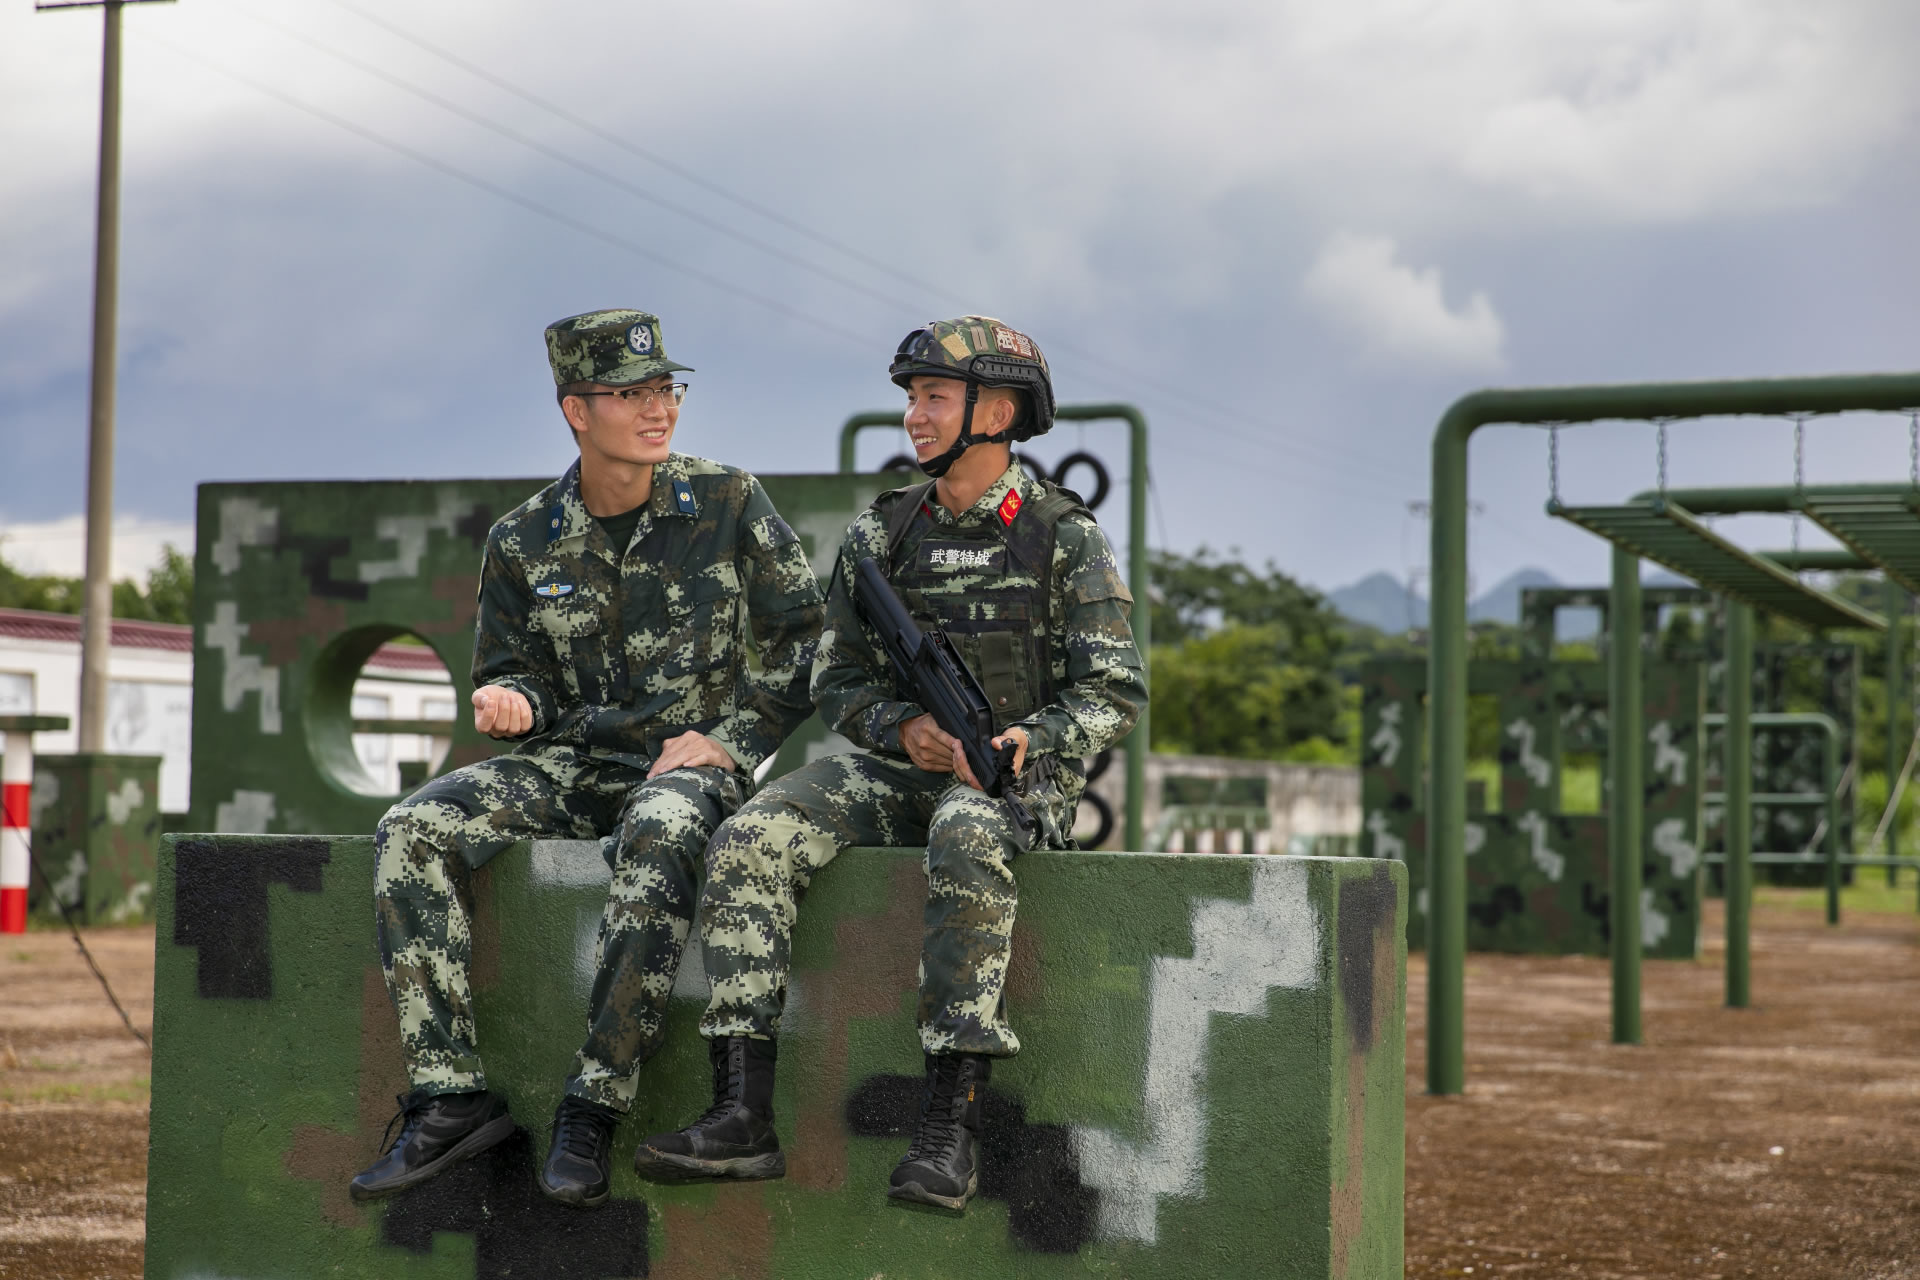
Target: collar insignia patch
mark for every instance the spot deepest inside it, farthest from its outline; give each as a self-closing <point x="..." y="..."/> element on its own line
<point x="683" y="498"/>
<point x="552" y="590"/>
<point x="1010" y="506"/>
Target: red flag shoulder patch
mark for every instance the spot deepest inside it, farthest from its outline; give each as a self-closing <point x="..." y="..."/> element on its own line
<point x="1010" y="506"/>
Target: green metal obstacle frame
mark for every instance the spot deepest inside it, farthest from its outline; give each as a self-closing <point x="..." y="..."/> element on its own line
<point x="1716" y="565"/>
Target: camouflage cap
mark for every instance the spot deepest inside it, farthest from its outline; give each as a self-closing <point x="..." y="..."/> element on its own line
<point x="613" y="348"/>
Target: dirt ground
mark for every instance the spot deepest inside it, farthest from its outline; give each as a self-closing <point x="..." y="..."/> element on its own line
<point x="1782" y="1140"/>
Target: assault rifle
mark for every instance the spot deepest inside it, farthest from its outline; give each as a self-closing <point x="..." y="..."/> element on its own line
<point x="928" y="663"/>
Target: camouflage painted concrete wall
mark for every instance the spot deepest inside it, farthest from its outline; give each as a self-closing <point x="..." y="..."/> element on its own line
<point x="96" y="830"/>
<point x="1211" y="1085"/>
<point x="1537" y="878"/>
<point x="1785" y="677"/>
<point x="296" y="584"/>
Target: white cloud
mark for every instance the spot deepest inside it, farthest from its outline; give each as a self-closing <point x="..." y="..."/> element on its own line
<point x="60" y="546"/>
<point x="1397" y="312"/>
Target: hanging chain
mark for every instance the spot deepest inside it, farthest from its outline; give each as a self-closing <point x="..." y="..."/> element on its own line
<point x="1799" y="481"/>
<point x="1553" y="462"/>
<point x="1913" y="447"/>
<point x="1662" y="424"/>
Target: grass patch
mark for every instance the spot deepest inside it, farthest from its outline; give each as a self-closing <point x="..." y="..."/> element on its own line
<point x="139" y="1090"/>
<point x="1868" y="892"/>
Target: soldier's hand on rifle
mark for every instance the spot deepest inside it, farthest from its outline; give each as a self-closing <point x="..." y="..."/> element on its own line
<point x="690" y="750"/>
<point x="933" y="749"/>
<point x="501" y="713"/>
<point x="1018" y="737"/>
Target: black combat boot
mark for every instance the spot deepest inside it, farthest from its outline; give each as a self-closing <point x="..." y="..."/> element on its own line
<point x="579" y="1160"/>
<point x="735" y="1138"/>
<point x="436" y="1133"/>
<point x="942" y="1166"/>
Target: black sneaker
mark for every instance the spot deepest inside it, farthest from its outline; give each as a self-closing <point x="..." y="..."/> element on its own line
<point x="735" y="1137"/>
<point x="942" y="1165"/>
<point x="436" y="1133"/>
<point x="579" y="1160"/>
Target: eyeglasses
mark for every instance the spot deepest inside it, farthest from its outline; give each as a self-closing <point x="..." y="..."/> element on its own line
<point x="644" y="398"/>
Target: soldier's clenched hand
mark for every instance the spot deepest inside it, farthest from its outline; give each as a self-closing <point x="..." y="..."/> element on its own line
<point x="501" y="713"/>
<point x="690" y="750"/>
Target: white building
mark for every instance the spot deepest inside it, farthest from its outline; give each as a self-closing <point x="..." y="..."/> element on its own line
<point x="150" y="695"/>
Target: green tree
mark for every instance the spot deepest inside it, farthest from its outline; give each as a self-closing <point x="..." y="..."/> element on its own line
<point x="167" y="596"/>
<point x="1243" y="662"/>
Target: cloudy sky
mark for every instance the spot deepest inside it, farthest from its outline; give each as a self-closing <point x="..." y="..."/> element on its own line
<point x="1291" y="232"/>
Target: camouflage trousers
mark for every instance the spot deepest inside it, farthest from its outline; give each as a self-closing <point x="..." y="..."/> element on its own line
<point x="427" y="845"/>
<point x="764" y="855"/>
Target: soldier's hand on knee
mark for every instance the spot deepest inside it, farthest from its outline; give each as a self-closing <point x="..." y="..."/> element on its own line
<point x="690" y="750"/>
<point x="933" y="749"/>
<point x="501" y="713"/>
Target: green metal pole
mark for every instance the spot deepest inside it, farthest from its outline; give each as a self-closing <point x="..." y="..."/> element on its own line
<point x="1447" y="762"/>
<point x="1830" y="770"/>
<point x="1896" y="749"/>
<point x="1739" y="820"/>
<point x="1626" y="781"/>
<point x="1139" y="581"/>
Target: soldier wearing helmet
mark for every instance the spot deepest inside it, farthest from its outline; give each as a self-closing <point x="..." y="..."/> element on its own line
<point x="1020" y="576"/>
<point x="608" y="652"/>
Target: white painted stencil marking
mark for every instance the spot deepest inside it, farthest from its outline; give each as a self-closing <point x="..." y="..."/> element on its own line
<point x="1534" y="766"/>
<point x="248" y="813"/>
<point x="1653" y="924"/>
<point x="409" y="537"/>
<point x="1667" y="758"/>
<point x="1385" y="843"/>
<point x="1670" y="842"/>
<point x="241" y="673"/>
<point x="243" y="523"/>
<point x="122" y="803"/>
<point x="1552" y="864"/>
<point x="1241" y="951"/>
<point x="67" y="887"/>
<point x="1386" y="739"/>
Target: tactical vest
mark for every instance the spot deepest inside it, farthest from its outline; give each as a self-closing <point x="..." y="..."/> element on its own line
<point x="988" y="586"/>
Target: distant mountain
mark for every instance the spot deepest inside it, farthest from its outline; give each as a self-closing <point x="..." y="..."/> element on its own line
<point x="1382" y="601"/>
<point x="1502" y="602"/>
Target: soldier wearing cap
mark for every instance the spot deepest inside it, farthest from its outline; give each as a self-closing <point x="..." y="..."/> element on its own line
<point x="607" y="651"/>
<point x="1020" y="576"/>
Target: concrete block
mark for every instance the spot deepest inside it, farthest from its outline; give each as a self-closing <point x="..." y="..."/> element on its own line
<point x="1211" y="1084"/>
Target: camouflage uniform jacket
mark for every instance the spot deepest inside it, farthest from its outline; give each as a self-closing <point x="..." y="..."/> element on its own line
<point x="1095" y="679"/>
<point x="617" y="654"/>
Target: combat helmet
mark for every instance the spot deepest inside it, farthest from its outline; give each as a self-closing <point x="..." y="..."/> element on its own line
<point x="982" y="352"/>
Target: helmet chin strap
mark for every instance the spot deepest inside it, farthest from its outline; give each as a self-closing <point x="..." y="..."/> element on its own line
<point x="938" y="465"/>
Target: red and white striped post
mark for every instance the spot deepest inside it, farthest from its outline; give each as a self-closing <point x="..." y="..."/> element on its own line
<point x="16" y="813"/>
<point x="16" y="821"/>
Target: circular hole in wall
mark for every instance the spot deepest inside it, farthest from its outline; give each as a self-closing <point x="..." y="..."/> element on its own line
<point x="380" y="711"/>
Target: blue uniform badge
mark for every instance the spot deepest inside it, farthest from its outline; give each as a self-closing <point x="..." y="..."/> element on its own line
<point x="640" y="339"/>
<point x="553" y="522"/>
<point x="552" y="590"/>
<point x="683" y="498"/>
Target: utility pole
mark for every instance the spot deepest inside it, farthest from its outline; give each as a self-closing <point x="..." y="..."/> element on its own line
<point x="96" y="636"/>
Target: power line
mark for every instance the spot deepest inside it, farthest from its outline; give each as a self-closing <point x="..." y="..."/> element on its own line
<point x="631" y="148"/>
<point x="495" y="189"/>
<point x="492" y="188"/>
<point x="583" y="166"/>
<point x="1313" y="451"/>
